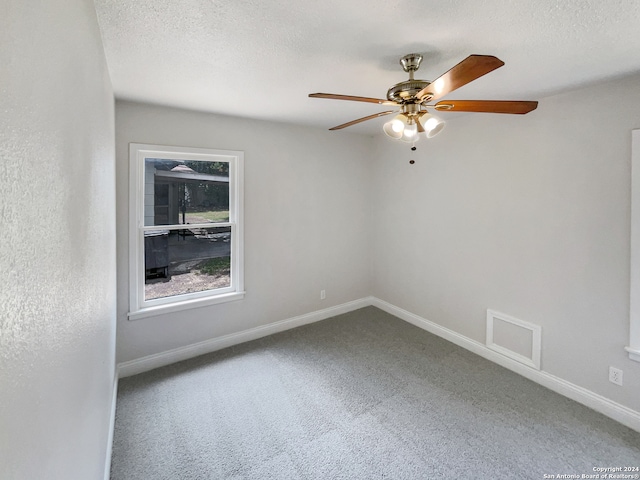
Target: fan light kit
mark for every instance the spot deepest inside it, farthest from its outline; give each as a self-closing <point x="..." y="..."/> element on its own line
<point x="413" y="120"/>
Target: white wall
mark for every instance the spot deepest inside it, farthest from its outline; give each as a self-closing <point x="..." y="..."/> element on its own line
<point x="306" y="222"/>
<point x="57" y="261"/>
<point x="525" y="215"/>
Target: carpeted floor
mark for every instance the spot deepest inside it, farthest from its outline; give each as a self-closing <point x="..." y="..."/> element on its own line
<point x="360" y="396"/>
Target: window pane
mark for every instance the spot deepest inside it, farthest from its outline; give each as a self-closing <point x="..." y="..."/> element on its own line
<point x="183" y="192"/>
<point x="186" y="261"/>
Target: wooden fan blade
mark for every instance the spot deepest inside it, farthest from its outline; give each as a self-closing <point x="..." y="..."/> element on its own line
<point x="363" y="119"/>
<point x="332" y="96"/>
<point x="468" y="70"/>
<point x="487" y="106"/>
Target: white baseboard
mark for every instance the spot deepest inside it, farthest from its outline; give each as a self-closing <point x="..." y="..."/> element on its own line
<point x="112" y="424"/>
<point x="150" y="362"/>
<point x="611" y="409"/>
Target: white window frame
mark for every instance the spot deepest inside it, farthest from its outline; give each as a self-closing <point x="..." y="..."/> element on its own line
<point x="634" y="297"/>
<point x="138" y="306"/>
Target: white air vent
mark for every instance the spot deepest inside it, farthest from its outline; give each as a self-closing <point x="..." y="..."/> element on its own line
<point x="514" y="338"/>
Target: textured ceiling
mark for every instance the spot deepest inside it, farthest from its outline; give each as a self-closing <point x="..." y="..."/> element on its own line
<point x="261" y="59"/>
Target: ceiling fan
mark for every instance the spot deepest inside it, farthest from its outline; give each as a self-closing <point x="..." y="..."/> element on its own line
<point x="412" y="97"/>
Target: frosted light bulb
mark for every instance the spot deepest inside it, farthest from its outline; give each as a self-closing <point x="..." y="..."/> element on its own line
<point x="411" y="130"/>
<point x="397" y="125"/>
<point x="430" y="124"/>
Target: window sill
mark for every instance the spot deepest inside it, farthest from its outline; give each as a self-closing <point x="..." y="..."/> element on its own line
<point x="633" y="353"/>
<point x="185" y="305"/>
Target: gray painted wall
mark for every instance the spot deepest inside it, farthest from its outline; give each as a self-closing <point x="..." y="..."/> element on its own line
<point x="529" y="216"/>
<point x="526" y="215"/>
<point x="57" y="261"/>
<point x="306" y="222"/>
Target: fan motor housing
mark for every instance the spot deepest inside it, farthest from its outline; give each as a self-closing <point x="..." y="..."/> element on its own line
<point x="405" y="92"/>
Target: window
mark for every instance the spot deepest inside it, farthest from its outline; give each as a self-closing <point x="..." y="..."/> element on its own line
<point x="634" y="333"/>
<point x="185" y="228"/>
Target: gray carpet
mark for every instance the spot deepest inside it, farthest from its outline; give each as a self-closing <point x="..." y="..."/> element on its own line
<point x="360" y="396"/>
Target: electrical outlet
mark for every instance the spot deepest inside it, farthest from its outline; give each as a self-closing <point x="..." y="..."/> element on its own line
<point x="323" y="294"/>
<point x="615" y="375"/>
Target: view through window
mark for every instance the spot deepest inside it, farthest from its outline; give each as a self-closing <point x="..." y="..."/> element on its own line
<point x="185" y="243"/>
<point x="185" y="254"/>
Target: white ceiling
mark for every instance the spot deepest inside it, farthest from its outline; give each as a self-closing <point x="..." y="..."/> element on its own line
<point x="261" y="59"/>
